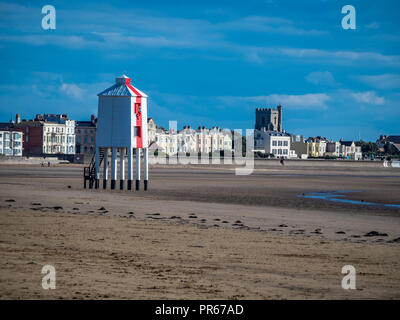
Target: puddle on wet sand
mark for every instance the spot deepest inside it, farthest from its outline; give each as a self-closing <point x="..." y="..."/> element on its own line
<point x="337" y="196"/>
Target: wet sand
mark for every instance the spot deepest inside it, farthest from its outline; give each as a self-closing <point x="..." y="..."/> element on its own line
<point x="199" y="232"/>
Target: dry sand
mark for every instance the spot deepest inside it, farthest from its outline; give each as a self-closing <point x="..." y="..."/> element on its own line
<point x="199" y="232"/>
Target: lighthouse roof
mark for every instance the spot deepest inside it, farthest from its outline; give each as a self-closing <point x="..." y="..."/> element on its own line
<point x="122" y="88"/>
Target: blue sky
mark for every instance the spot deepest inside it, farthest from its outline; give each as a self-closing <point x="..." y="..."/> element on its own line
<point x="209" y="62"/>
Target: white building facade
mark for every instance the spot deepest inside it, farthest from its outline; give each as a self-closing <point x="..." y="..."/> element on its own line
<point x="273" y="142"/>
<point x="188" y="140"/>
<point x="64" y="137"/>
<point x="349" y="150"/>
<point x="333" y="149"/>
<point x="11" y="143"/>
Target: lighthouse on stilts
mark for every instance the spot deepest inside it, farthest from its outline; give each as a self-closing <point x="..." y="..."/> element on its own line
<point x="121" y="127"/>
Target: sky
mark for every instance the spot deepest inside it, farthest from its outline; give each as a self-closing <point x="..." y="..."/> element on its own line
<point x="209" y="63"/>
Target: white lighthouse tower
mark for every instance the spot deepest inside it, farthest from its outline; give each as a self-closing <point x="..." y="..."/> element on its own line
<point x="121" y="126"/>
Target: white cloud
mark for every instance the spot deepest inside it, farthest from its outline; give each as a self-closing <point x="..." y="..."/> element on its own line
<point x="368" y="97"/>
<point x="372" y="25"/>
<point x="254" y="57"/>
<point x="384" y="81"/>
<point x="65" y="41"/>
<point x="343" y="57"/>
<point x="274" y="25"/>
<point x="21" y="17"/>
<point x="304" y="101"/>
<point x="321" y="78"/>
<point x="117" y="21"/>
<point x="73" y="90"/>
<point x="144" y="30"/>
<point x="313" y="56"/>
<point x="116" y="40"/>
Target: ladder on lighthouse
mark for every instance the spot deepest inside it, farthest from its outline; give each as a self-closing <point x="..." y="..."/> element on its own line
<point x="89" y="173"/>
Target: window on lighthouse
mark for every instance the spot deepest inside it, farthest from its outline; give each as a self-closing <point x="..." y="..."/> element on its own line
<point x="137" y="131"/>
<point x="138" y="108"/>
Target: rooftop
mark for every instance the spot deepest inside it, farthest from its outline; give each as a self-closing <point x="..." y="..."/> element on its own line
<point x="122" y="88"/>
<point x="393" y="139"/>
<point x="85" y="124"/>
<point x="276" y="133"/>
<point x="346" y="143"/>
<point x="5" y="125"/>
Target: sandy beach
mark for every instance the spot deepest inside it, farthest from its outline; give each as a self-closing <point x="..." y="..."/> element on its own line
<point x="201" y="232"/>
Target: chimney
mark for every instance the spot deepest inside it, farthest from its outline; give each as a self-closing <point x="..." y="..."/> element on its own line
<point x="17" y="118"/>
<point x="92" y="118"/>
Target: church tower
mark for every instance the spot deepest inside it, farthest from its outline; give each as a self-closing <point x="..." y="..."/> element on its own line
<point x="280" y="129"/>
<point x="269" y="119"/>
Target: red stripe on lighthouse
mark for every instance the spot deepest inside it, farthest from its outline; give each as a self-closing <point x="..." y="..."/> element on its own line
<point x="139" y="138"/>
